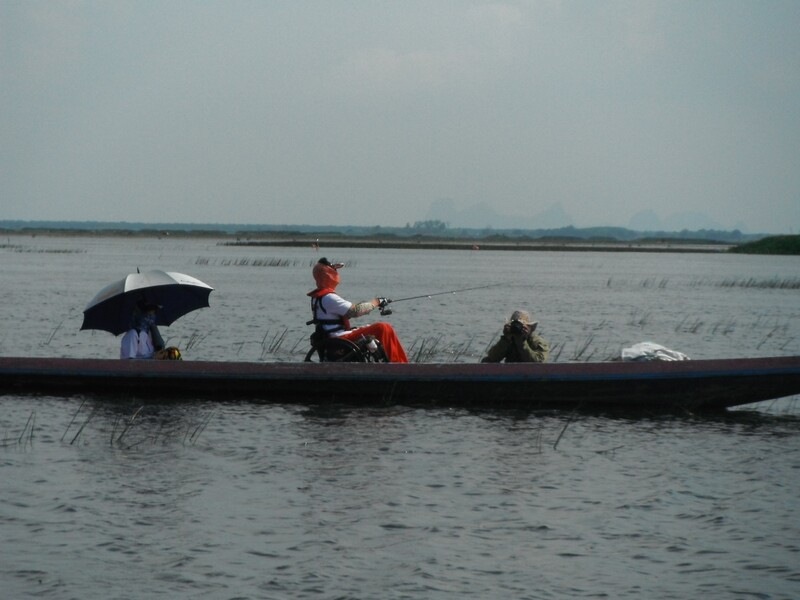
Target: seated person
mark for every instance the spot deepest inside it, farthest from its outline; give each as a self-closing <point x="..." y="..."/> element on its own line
<point x="142" y="340"/>
<point x="519" y="342"/>
<point x="332" y="313"/>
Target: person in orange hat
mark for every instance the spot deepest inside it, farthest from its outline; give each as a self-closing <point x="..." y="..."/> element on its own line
<point x="332" y="313"/>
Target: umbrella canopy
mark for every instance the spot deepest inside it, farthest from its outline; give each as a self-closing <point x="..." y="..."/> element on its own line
<point x="176" y="294"/>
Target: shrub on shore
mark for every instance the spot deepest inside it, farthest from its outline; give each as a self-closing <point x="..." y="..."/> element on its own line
<point x="778" y="244"/>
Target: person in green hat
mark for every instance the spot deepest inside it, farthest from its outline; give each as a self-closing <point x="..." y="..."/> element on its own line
<point x="519" y="342"/>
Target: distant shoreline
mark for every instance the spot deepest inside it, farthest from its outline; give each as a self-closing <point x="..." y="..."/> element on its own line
<point x="514" y="246"/>
<point x="299" y="240"/>
<point x="770" y="245"/>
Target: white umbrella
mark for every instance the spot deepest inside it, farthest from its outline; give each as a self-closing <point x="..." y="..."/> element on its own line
<point x="175" y="293"/>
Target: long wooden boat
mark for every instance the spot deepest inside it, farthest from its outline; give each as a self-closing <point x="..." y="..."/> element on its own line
<point x="694" y="385"/>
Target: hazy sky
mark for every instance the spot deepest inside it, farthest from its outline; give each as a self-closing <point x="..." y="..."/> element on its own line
<point x="365" y="112"/>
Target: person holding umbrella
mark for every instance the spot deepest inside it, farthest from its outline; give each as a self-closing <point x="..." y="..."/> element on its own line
<point x="137" y="303"/>
<point x="142" y="340"/>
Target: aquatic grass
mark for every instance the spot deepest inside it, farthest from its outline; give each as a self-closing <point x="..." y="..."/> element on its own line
<point x="424" y="349"/>
<point x="75" y="416"/>
<point x="432" y="349"/>
<point x="264" y="262"/>
<point x="274" y="344"/>
<point x="610" y="450"/>
<point x="770" y="283"/>
<point x="611" y="355"/>
<point x="764" y="332"/>
<point x="639" y="319"/>
<point x="124" y="427"/>
<point x="28" y="250"/>
<point x="588" y="350"/>
<point x="537" y="438"/>
<point x="594" y="346"/>
<point x="773" y="283"/>
<point x="689" y="327"/>
<point x="25" y="437"/>
<point x="581" y="351"/>
<point x="83" y="426"/>
<point x="162" y="434"/>
<point x="195" y="433"/>
<point x="462" y="350"/>
<point x="725" y="327"/>
<point x="128" y="425"/>
<point x="30" y="425"/>
<point x="249" y="262"/>
<point x="647" y="283"/>
<point x="488" y="346"/>
<point x="651" y="282"/>
<point x="53" y="333"/>
<point x="302" y="339"/>
<point x="195" y="339"/>
<point x="570" y="418"/>
<point x="777" y="329"/>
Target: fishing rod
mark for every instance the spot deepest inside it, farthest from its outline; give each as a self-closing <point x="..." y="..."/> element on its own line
<point x="386" y="301"/>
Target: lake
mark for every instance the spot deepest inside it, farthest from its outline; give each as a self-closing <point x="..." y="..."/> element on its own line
<point x="148" y="499"/>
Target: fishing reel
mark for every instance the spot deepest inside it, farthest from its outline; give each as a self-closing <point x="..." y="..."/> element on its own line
<point x="382" y="304"/>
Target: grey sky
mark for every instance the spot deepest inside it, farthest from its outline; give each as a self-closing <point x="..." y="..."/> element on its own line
<point x="365" y="112"/>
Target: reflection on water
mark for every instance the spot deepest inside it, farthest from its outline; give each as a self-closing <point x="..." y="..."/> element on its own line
<point x="272" y="501"/>
<point x="246" y="500"/>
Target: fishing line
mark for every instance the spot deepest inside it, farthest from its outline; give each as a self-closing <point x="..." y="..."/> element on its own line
<point x="386" y="301"/>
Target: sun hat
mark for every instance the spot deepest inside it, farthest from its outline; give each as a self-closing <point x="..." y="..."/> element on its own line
<point x="523" y="317"/>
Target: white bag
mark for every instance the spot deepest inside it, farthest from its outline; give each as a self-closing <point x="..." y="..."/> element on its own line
<point x="646" y="351"/>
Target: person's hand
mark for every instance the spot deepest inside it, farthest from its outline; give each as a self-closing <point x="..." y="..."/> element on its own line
<point x="382" y="304"/>
<point x="516" y="331"/>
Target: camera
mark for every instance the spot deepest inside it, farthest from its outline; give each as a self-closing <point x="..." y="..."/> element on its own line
<point x="516" y="327"/>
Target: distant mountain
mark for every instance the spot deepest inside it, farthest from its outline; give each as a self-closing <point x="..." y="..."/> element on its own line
<point x="552" y="218"/>
<point x="646" y="220"/>
<point x="483" y="215"/>
<point x="690" y="221"/>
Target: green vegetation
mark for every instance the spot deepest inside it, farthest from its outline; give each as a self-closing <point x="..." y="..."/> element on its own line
<point x="778" y="244"/>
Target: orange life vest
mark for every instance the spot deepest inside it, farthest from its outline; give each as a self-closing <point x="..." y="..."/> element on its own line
<point x="316" y="303"/>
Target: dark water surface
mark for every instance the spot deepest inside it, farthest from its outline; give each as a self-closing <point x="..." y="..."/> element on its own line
<point x="138" y="499"/>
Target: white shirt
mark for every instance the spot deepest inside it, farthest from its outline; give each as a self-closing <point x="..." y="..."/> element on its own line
<point x="335" y="306"/>
<point x="136" y="345"/>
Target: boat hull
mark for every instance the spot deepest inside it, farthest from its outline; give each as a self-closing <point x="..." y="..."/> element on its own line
<point x="650" y="386"/>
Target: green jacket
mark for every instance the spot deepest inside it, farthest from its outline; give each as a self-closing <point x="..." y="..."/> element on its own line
<point x="518" y="349"/>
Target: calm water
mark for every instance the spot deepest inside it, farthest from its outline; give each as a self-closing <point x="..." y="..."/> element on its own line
<point x="240" y="500"/>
